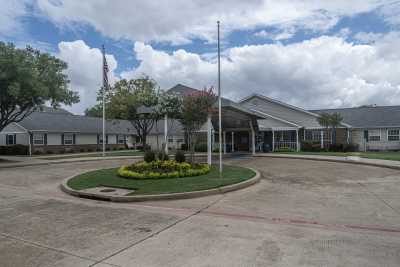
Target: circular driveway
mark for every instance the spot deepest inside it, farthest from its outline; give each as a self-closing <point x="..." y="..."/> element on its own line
<point x="302" y="213"/>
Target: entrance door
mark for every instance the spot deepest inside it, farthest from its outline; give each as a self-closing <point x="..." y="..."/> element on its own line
<point x="267" y="141"/>
<point x="242" y="141"/>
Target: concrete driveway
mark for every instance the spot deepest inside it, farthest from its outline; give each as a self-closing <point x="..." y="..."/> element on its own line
<point x="302" y="213"/>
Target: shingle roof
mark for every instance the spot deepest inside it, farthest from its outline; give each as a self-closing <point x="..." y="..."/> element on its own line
<point x="67" y="122"/>
<point x="368" y="117"/>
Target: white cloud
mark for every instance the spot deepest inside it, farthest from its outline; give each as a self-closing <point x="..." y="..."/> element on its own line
<point x="10" y="13"/>
<point x="321" y="72"/>
<point x="179" y="21"/>
<point x="276" y="36"/>
<point x="85" y="71"/>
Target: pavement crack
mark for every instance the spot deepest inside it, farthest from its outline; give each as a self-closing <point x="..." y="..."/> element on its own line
<point x="379" y="198"/>
<point x="103" y="260"/>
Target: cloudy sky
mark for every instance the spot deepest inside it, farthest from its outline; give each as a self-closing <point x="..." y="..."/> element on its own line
<point x="310" y="53"/>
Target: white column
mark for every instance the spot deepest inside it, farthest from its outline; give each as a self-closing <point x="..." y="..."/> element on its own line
<point x="322" y="139"/>
<point x="253" y="139"/>
<point x="166" y="133"/>
<point x="233" y="141"/>
<point x="209" y="146"/>
<point x="348" y="135"/>
<point x="304" y="133"/>
<point x="297" y="141"/>
<point x="224" y="142"/>
<point x="273" y="140"/>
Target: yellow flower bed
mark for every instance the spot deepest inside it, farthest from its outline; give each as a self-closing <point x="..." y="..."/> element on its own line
<point x="162" y="169"/>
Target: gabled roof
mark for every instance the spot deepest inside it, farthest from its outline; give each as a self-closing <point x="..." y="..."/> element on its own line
<point x="67" y="122"/>
<point x="279" y="103"/>
<point x="368" y="117"/>
<point x="182" y="89"/>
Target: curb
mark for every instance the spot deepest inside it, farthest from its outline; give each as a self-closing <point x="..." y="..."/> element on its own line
<point x="346" y="161"/>
<point x="185" y="195"/>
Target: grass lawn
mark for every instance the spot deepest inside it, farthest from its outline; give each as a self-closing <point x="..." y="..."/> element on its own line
<point x="97" y="154"/>
<point x="370" y="155"/>
<point x="109" y="177"/>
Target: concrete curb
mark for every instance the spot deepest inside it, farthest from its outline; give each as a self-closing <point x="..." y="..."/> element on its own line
<point x="61" y="161"/>
<point x="344" y="160"/>
<point x="185" y="195"/>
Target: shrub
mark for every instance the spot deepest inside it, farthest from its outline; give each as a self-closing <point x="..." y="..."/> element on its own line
<point x="162" y="155"/>
<point x="184" y="147"/>
<point x="216" y="150"/>
<point x="162" y="169"/>
<point x="149" y="156"/>
<point x="37" y="152"/>
<point x="285" y="149"/>
<point x="180" y="156"/>
<point x="14" y="150"/>
<point x="350" y="148"/>
<point x="310" y="146"/>
<point x="200" y="147"/>
<point x="50" y="152"/>
<point x="82" y="150"/>
<point x="89" y="150"/>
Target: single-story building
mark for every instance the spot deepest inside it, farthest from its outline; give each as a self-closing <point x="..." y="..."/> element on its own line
<point x="256" y="123"/>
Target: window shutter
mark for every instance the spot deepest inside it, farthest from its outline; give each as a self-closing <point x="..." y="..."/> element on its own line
<point x="98" y="139"/>
<point x="15" y="139"/>
<point x="62" y="139"/>
<point x="74" y="139"/>
<point x="31" y="138"/>
<point x="7" y="143"/>
<point x="45" y="138"/>
<point x="366" y="135"/>
<point x="107" y="139"/>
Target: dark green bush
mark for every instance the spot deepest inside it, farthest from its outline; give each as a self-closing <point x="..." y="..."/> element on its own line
<point x="350" y="147"/>
<point x="162" y="155"/>
<point x="149" y="156"/>
<point x="180" y="156"/>
<point x="200" y="147"/>
<point x="14" y="150"/>
<point x="82" y="150"/>
<point x="310" y="146"/>
<point x="184" y="147"/>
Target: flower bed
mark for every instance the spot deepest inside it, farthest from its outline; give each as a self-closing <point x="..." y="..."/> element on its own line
<point x="162" y="169"/>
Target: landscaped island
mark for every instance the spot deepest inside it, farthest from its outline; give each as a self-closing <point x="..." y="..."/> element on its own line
<point x="162" y="177"/>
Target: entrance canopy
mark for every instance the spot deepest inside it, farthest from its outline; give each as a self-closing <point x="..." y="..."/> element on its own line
<point x="235" y="117"/>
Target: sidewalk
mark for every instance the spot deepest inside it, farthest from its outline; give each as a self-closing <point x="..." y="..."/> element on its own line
<point x="351" y="159"/>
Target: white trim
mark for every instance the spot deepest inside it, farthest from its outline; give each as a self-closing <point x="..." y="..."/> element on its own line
<point x="279" y="103"/>
<point x="276" y="118"/>
<point x="286" y="105"/>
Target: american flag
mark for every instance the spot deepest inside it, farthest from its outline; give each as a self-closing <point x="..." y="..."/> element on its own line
<point x="105" y="70"/>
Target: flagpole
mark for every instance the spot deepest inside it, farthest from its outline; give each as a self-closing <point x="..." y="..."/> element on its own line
<point x="219" y="104"/>
<point x="104" y="104"/>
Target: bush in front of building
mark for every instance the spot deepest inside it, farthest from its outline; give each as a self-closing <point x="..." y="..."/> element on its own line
<point x="200" y="147"/>
<point x="149" y="156"/>
<point x="162" y="155"/>
<point x="180" y="156"/>
<point x="310" y="146"/>
<point x="14" y="150"/>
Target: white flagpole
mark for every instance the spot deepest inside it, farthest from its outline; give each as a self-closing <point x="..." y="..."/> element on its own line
<point x="219" y="105"/>
<point x="104" y="106"/>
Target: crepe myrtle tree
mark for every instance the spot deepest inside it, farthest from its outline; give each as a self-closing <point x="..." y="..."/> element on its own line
<point x="28" y="80"/>
<point x="196" y="107"/>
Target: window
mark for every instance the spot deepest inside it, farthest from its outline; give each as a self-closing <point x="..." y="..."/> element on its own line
<point x="394" y="135"/>
<point x="100" y="138"/>
<point x="170" y="140"/>
<point x="121" y="139"/>
<point x="374" y="135"/>
<point x="10" y="139"/>
<point x="68" y="139"/>
<point x="180" y="140"/>
<point x="38" y="139"/>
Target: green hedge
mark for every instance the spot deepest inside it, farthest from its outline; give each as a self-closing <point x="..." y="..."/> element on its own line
<point x="162" y="169"/>
<point x="310" y="146"/>
<point x="14" y="150"/>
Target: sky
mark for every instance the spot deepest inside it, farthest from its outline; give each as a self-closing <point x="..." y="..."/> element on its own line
<point x="310" y="53"/>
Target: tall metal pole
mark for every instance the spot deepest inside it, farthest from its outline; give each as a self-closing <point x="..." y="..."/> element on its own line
<point x="219" y="104"/>
<point x="104" y="104"/>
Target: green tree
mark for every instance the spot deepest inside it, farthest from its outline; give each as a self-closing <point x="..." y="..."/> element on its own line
<point x="196" y="107"/>
<point x="28" y="80"/>
<point x="335" y="121"/>
<point x="136" y="101"/>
